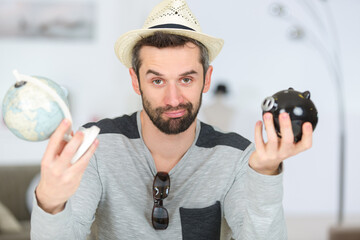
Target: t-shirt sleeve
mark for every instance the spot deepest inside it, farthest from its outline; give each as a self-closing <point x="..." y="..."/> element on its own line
<point x="253" y="205"/>
<point x="75" y="221"/>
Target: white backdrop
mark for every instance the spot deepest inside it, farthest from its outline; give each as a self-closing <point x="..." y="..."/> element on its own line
<point x="258" y="59"/>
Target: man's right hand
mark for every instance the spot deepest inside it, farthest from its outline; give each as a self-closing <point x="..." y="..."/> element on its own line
<point x="59" y="178"/>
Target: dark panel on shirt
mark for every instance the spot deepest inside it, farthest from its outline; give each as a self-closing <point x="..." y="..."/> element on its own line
<point x="125" y="125"/>
<point x="201" y="223"/>
<point x="209" y="138"/>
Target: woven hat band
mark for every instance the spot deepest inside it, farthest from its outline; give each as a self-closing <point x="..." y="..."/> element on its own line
<point x="171" y="25"/>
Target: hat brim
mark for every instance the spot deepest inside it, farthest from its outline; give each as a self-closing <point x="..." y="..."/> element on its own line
<point x="126" y="42"/>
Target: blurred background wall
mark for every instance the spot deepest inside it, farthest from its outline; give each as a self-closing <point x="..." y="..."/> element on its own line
<point x="262" y="55"/>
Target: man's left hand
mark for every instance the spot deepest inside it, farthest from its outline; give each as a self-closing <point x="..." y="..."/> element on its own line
<point x="268" y="156"/>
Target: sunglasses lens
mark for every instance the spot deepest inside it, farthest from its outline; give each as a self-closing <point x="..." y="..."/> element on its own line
<point x="161" y="186"/>
<point x="160" y="217"/>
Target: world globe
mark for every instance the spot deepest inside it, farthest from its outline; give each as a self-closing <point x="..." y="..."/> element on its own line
<point x="35" y="106"/>
<point x="32" y="108"/>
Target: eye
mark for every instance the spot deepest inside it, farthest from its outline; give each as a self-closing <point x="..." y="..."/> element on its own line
<point x="158" y="82"/>
<point x="186" y="80"/>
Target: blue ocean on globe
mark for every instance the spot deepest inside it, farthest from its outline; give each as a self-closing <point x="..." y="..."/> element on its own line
<point x="30" y="112"/>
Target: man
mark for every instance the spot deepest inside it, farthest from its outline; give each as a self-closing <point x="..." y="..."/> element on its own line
<point x="161" y="173"/>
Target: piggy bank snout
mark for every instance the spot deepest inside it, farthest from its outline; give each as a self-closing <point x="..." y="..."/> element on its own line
<point x="268" y="104"/>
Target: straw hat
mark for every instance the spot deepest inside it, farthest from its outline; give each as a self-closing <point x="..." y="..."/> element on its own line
<point x="171" y="16"/>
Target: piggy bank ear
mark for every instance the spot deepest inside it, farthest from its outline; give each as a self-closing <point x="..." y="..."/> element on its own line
<point x="306" y="94"/>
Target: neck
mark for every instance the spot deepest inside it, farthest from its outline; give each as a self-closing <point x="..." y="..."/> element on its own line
<point x="166" y="149"/>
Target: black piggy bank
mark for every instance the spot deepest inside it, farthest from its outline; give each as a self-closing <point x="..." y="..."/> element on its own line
<point x="298" y="105"/>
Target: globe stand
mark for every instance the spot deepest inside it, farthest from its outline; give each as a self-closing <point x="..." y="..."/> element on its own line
<point x="90" y="134"/>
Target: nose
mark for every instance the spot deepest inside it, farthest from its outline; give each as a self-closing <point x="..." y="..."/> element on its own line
<point x="173" y="95"/>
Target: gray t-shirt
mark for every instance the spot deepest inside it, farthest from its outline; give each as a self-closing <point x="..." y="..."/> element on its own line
<point x="214" y="194"/>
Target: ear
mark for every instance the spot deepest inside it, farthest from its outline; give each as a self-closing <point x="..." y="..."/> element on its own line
<point x="208" y="79"/>
<point x="134" y="81"/>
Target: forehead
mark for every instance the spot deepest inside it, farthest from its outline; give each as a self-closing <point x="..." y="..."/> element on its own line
<point x="170" y="58"/>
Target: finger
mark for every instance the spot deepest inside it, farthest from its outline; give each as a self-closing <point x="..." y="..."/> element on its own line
<point x="63" y="144"/>
<point x="56" y="142"/>
<point x="287" y="135"/>
<point x="306" y="138"/>
<point x="272" y="143"/>
<point x="80" y="165"/>
<point x="259" y="140"/>
<point x="70" y="149"/>
<point x="61" y="147"/>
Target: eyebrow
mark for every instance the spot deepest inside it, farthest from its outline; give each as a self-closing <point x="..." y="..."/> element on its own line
<point x="189" y="73"/>
<point x="150" y="71"/>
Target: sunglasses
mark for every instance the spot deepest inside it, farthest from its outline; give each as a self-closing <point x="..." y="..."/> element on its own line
<point x="161" y="188"/>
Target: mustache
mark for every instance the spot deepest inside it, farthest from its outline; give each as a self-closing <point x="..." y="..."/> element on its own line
<point x="187" y="106"/>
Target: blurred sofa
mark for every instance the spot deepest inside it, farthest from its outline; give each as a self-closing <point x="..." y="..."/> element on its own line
<point x="14" y="201"/>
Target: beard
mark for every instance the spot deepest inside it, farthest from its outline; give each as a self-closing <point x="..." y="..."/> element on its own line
<point x="172" y="125"/>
